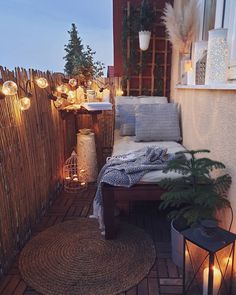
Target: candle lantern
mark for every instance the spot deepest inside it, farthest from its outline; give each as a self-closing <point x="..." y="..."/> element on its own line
<point x="73" y="176"/>
<point x="208" y="260"/>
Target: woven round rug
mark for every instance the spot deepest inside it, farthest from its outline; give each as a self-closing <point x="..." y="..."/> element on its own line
<point x="73" y="258"/>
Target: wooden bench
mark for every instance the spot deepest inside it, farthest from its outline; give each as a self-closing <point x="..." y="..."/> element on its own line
<point x="111" y="194"/>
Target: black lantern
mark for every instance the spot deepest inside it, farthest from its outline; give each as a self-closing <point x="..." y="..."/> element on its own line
<point x="208" y="261"/>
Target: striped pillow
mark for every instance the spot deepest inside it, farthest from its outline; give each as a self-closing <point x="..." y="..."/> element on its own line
<point x="157" y="122"/>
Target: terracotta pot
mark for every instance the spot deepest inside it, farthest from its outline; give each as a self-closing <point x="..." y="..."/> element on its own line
<point x="144" y="39"/>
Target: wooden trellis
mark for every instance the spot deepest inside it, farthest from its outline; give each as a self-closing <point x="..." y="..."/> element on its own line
<point x="154" y="79"/>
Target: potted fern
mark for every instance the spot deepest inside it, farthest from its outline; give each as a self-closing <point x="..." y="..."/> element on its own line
<point x="193" y="197"/>
<point x="147" y="17"/>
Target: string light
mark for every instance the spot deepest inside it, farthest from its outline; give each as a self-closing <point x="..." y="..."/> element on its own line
<point x="9" y="88"/>
<point x="73" y="82"/>
<point x="24" y="103"/>
<point x="41" y="82"/>
<point x="62" y="89"/>
<point x="71" y="96"/>
<point x="58" y="103"/>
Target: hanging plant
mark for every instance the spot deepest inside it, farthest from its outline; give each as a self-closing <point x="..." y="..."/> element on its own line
<point x="181" y="24"/>
<point x="147" y="17"/>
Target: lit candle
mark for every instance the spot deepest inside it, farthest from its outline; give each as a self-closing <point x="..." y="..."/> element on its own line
<point x="216" y="280"/>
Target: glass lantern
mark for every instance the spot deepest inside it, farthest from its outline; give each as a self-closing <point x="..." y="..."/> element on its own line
<point x="74" y="179"/>
<point x="208" y="261"/>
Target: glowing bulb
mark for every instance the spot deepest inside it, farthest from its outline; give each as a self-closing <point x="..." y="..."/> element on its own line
<point x="71" y="96"/>
<point x="73" y="82"/>
<point x="24" y="103"/>
<point x="188" y="66"/>
<point x="9" y="88"/>
<point x="41" y="82"/>
<point x="119" y="92"/>
<point x="58" y="102"/>
<point x="62" y="89"/>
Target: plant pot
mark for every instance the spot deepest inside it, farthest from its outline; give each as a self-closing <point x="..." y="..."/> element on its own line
<point x="144" y="39"/>
<point x="177" y="242"/>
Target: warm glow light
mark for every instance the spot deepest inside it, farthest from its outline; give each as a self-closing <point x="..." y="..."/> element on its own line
<point x="119" y="92"/>
<point x="228" y="260"/>
<point x="188" y="66"/>
<point x="83" y="183"/>
<point x="9" y="88"/>
<point x="24" y="103"/>
<point x="216" y="280"/>
<point x="59" y="102"/>
<point x="82" y="170"/>
<point x="41" y="82"/>
<point x="71" y="96"/>
<point x="68" y="178"/>
<point x="62" y="89"/>
<point x="73" y="82"/>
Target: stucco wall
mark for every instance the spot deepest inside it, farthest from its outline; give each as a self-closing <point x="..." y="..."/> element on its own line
<point x="209" y="121"/>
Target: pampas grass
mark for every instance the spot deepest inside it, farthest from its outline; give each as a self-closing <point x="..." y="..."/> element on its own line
<point x="181" y="24"/>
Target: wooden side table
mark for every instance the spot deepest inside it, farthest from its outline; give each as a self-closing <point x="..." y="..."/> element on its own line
<point x="94" y="115"/>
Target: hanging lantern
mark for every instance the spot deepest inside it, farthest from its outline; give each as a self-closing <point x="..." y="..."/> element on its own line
<point x="9" y="88"/>
<point x="24" y="103"/>
<point x="73" y="177"/>
<point x="71" y="96"/>
<point x="41" y="82"/>
<point x="73" y="82"/>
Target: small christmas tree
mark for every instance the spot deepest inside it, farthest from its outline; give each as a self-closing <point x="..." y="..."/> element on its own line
<point x="196" y="195"/>
<point x="74" y="50"/>
<point x="80" y="62"/>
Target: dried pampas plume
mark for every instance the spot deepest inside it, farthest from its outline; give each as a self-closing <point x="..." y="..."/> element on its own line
<point x="181" y="24"/>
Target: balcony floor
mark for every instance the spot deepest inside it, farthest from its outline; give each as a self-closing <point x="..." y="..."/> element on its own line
<point x="164" y="278"/>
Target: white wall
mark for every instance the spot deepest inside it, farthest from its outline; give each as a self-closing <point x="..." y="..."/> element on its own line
<point x="209" y="121"/>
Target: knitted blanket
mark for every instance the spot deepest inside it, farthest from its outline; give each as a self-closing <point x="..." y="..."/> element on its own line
<point x="126" y="170"/>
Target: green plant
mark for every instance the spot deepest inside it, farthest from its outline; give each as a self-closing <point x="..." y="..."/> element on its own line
<point x="79" y="61"/>
<point x="147" y="16"/>
<point x="196" y="195"/>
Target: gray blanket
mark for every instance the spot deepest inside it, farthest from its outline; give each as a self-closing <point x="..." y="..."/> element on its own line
<point x="127" y="170"/>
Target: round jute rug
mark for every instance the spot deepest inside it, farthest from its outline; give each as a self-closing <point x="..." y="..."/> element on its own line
<point x="73" y="258"/>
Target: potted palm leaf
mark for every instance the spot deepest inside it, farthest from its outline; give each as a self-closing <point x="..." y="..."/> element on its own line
<point x="193" y="197"/>
<point x="147" y="17"/>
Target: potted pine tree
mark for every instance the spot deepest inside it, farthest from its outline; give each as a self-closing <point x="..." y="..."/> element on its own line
<point x="193" y="197"/>
<point x="147" y="17"/>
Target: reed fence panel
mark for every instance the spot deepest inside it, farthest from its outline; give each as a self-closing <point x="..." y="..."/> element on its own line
<point x="32" y="145"/>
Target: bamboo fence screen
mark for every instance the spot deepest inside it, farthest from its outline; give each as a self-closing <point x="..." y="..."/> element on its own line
<point x="31" y="159"/>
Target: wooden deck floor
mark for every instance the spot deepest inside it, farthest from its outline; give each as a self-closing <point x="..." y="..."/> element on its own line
<point x="164" y="278"/>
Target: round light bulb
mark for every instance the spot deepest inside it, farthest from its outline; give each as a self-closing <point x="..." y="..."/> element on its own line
<point x="71" y="96"/>
<point x="9" y="88"/>
<point x="24" y="103"/>
<point x="42" y="82"/>
<point x="58" y="102"/>
<point x="63" y="89"/>
<point x="73" y="82"/>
